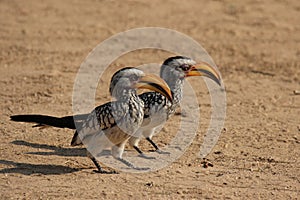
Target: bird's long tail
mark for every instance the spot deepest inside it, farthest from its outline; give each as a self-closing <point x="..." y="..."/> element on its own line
<point x="44" y="120"/>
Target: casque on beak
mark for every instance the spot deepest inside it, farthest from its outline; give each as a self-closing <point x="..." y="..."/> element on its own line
<point x="155" y="83"/>
<point x="204" y="69"/>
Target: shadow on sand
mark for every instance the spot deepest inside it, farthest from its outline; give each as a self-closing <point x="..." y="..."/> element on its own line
<point x="29" y="169"/>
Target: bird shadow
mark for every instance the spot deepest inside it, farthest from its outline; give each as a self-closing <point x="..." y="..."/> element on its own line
<point x="57" y="150"/>
<point x="29" y="169"/>
<point x="54" y="150"/>
<point x="43" y="121"/>
<point x="45" y="169"/>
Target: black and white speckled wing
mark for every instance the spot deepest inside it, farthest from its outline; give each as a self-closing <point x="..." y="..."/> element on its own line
<point x="155" y="103"/>
<point x="101" y="118"/>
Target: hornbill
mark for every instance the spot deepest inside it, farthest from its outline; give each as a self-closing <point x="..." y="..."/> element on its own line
<point x="112" y="124"/>
<point x="157" y="108"/>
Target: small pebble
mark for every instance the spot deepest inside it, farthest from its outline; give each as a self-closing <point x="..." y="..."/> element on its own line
<point x="296" y="92"/>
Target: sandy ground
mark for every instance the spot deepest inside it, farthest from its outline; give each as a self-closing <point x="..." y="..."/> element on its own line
<point x="254" y="43"/>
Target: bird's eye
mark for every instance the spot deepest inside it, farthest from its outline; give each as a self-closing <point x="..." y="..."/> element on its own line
<point x="185" y="67"/>
<point x="133" y="77"/>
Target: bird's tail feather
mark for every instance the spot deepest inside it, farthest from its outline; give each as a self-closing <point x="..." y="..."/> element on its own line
<point x="44" y="120"/>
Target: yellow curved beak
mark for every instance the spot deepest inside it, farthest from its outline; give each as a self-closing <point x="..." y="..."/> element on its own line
<point x="204" y="69"/>
<point x="155" y="83"/>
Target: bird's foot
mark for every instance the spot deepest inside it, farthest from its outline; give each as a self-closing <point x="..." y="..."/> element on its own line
<point x="141" y="168"/>
<point x="162" y="152"/>
<point x="105" y="172"/>
<point x="129" y="164"/>
<point x="146" y="157"/>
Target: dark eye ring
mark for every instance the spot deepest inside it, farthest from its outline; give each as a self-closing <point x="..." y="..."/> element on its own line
<point x="185" y="67"/>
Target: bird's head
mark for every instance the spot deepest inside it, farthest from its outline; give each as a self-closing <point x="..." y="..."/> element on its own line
<point x="180" y="67"/>
<point x="130" y="79"/>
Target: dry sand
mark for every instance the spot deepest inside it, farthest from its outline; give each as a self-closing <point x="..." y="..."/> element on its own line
<point x="254" y="43"/>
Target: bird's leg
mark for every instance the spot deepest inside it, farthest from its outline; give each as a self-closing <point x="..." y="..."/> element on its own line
<point x="99" y="169"/>
<point x="117" y="152"/>
<point x="141" y="154"/>
<point x="156" y="147"/>
<point x="138" y="150"/>
<point x="97" y="165"/>
<point x="134" y="141"/>
<point x="127" y="163"/>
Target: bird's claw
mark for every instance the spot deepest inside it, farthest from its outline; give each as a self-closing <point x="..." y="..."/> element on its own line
<point x="141" y="168"/>
<point x="105" y="172"/>
<point x="162" y="152"/>
<point x="146" y="157"/>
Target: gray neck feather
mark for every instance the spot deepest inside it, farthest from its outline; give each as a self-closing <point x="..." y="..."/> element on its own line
<point x="176" y="85"/>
